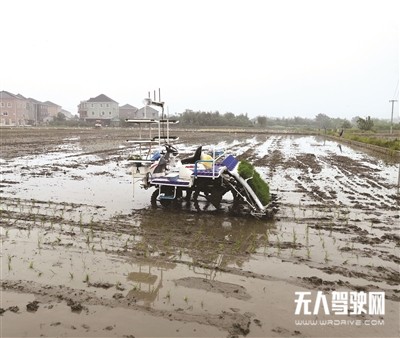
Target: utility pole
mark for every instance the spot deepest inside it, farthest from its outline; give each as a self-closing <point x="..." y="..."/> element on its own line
<point x="391" y="120"/>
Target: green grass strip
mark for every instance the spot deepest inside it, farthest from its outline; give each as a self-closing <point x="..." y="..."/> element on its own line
<point x="260" y="187"/>
<point x="393" y="144"/>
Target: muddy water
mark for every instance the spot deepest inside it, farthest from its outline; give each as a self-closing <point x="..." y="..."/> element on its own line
<point x="83" y="254"/>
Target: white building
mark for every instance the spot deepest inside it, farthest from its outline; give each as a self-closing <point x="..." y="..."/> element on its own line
<point x="100" y="108"/>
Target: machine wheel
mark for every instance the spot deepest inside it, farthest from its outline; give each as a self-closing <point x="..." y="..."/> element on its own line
<point x="238" y="192"/>
<point x="166" y="203"/>
<point x="154" y="196"/>
<point x="188" y="196"/>
<point x="196" y="195"/>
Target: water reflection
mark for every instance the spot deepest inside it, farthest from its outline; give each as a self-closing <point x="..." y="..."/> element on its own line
<point x="148" y="281"/>
<point x="212" y="240"/>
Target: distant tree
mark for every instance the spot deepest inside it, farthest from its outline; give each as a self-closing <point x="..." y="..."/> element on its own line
<point x="229" y="116"/>
<point x="209" y="118"/>
<point x="323" y="121"/>
<point x="346" y="124"/>
<point x="60" y="117"/>
<point x="354" y="120"/>
<point x="262" y="121"/>
<point x="365" y="124"/>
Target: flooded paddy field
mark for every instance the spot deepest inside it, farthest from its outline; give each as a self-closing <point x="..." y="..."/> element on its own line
<point x="84" y="254"/>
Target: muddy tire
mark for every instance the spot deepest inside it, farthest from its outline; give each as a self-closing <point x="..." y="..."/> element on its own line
<point x="166" y="203"/>
<point x="188" y="196"/>
<point x="153" y="199"/>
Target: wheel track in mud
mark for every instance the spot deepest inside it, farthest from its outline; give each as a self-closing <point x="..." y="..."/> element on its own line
<point x="233" y="322"/>
<point x="178" y="243"/>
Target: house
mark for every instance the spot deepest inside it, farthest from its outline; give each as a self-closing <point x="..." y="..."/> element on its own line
<point x="52" y="109"/>
<point x="100" y="108"/>
<point x="18" y="110"/>
<point x="130" y="112"/>
<point x="30" y="110"/>
<point x="147" y="113"/>
<point x="68" y="115"/>
<point x="40" y="112"/>
<point x="127" y="112"/>
<point x="14" y="109"/>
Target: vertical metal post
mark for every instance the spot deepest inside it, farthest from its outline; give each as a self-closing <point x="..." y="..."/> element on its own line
<point x="133" y="180"/>
<point x="391" y="120"/>
<point x="167" y="124"/>
<point x="159" y="134"/>
<point x="398" y="179"/>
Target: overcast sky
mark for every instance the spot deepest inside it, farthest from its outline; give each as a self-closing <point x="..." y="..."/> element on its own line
<point x="276" y="58"/>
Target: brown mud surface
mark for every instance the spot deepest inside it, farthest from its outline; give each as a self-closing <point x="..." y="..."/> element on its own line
<point x="84" y="254"/>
